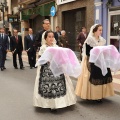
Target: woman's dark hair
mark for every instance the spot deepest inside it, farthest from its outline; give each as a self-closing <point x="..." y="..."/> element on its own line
<point x="83" y="28"/>
<point x="46" y="34"/>
<point x="96" y="28"/>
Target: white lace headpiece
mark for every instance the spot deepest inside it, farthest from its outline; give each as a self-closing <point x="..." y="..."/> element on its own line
<point x="91" y="30"/>
<point x="43" y="42"/>
<point x="92" y="41"/>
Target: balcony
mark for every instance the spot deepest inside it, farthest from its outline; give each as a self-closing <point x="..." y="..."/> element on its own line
<point x="26" y="1"/>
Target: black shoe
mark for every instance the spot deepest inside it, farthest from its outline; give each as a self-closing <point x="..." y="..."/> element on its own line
<point x="53" y="110"/>
<point x="16" y="67"/>
<point x="99" y="101"/>
<point x="22" y="68"/>
<point x="2" y="69"/>
<point x="30" y="67"/>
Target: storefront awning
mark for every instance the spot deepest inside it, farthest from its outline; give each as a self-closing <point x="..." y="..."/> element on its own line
<point x="25" y="17"/>
<point x="43" y="10"/>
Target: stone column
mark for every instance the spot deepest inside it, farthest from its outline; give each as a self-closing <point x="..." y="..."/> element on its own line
<point x="98" y="11"/>
<point x="24" y="27"/>
<point x="9" y="12"/>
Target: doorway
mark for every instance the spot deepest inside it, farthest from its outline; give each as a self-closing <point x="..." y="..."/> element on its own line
<point x="114" y="28"/>
<point x="72" y="22"/>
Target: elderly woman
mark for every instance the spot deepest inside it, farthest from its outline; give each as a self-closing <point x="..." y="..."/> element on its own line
<point x="63" y="40"/>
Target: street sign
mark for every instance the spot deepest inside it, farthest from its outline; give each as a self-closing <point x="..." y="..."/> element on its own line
<point x="52" y="11"/>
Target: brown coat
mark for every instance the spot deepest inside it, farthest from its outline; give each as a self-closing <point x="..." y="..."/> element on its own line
<point x="63" y="40"/>
<point x="81" y="38"/>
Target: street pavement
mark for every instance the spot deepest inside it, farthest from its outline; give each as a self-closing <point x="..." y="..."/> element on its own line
<point x="16" y="100"/>
<point x="116" y="76"/>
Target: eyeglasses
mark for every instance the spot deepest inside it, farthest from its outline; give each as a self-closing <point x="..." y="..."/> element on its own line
<point x="47" y="23"/>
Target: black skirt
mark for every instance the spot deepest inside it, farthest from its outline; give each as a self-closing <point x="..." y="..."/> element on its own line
<point x="96" y="76"/>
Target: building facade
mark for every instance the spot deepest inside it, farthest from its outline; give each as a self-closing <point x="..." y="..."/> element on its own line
<point x="107" y="13"/>
<point x="74" y="14"/>
<point x="9" y="15"/>
<point x="33" y="12"/>
<point x="71" y="16"/>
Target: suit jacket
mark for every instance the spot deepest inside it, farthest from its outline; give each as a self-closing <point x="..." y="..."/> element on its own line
<point x="81" y="38"/>
<point x="38" y="37"/>
<point x="29" y="43"/>
<point x="63" y="40"/>
<point x="16" y="45"/>
<point x="4" y="43"/>
<point x="56" y="37"/>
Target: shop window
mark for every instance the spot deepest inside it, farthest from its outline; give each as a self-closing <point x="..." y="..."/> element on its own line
<point x="115" y="25"/>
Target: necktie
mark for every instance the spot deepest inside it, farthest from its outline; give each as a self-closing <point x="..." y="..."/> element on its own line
<point x="16" y="39"/>
<point x="2" y="36"/>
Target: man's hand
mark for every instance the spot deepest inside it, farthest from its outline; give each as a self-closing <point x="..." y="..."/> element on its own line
<point x="61" y="44"/>
<point x="80" y="44"/>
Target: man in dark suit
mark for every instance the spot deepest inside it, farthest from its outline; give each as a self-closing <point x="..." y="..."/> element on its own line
<point x="81" y="39"/>
<point x="29" y="42"/>
<point x="57" y="34"/>
<point x="4" y="44"/>
<point x="46" y="26"/>
<point x="16" y="47"/>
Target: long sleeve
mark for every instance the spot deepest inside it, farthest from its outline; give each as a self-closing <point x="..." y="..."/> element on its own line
<point x="25" y="43"/>
<point x="56" y="37"/>
<point x="38" y="37"/>
<point x="11" y="44"/>
<point x="21" y="43"/>
<point x="8" y="42"/>
<point x="88" y="48"/>
<point x="79" y="38"/>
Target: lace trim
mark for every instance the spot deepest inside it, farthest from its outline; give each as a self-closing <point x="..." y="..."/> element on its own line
<point x="50" y="86"/>
<point x="101" y="81"/>
<point x="93" y="42"/>
<point x="44" y="47"/>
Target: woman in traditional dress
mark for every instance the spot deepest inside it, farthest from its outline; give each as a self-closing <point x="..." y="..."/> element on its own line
<point x="92" y="85"/>
<point x="49" y="91"/>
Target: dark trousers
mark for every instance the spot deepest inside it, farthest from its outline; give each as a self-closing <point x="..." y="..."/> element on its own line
<point x="2" y="58"/>
<point x="80" y="53"/>
<point x="20" y="59"/>
<point x="32" y="58"/>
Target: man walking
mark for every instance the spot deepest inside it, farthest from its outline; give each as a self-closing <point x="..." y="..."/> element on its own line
<point x="29" y="42"/>
<point x="46" y="26"/>
<point x="81" y="39"/>
<point x="57" y="34"/>
<point x="16" y="47"/>
<point x="4" y="44"/>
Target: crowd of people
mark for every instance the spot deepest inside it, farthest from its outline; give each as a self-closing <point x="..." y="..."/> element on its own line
<point x="58" y="92"/>
<point x="32" y="43"/>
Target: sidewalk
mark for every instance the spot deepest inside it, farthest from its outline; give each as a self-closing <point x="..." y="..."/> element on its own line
<point x="116" y="76"/>
<point x="116" y="82"/>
